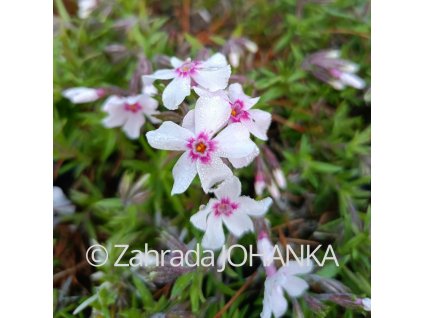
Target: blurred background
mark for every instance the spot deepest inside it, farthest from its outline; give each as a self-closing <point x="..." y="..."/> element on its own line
<point x="308" y="60"/>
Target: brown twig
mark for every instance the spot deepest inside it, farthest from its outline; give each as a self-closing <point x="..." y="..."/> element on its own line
<point x="237" y="294"/>
<point x="60" y="275"/>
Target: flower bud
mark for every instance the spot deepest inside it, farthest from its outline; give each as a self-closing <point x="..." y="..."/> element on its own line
<point x="79" y="95"/>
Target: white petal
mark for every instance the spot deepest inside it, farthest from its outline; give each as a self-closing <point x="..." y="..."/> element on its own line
<point x="147" y="86"/>
<point x="214" y="238"/>
<point x="116" y="118"/>
<point x="216" y="60"/>
<point x="161" y="74"/>
<point x="253" y="207"/>
<point x="202" y="92"/>
<point x="213" y="78"/>
<point x="235" y="92"/>
<point x="183" y="172"/>
<point x="169" y="136"/>
<point x="230" y="188"/>
<point x="352" y="80"/>
<point x="294" y="268"/>
<point x="244" y="161"/>
<point x="175" y="62"/>
<point x="238" y="223"/>
<point x="133" y="125"/>
<point x="212" y="173"/>
<point x="176" y="91"/>
<point x="188" y="122"/>
<point x="113" y="102"/>
<point x="210" y="114"/>
<point x="295" y="286"/>
<point x="259" y="123"/>
<point x="277" y="301"/>
<point x="234" y="142"/>
<point x="148" y="104"/>
<point x="80" y="95"/>
<point x="267" y="310"/>
<point x="199" y="219"/>
<point x="250" y="102"/>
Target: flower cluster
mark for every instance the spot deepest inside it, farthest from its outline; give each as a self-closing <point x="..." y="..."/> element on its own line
<point x="218" y="128"/>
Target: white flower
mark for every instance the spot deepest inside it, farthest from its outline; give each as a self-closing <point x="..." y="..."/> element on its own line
<point x="255" y="120"/>
<point x="130" y="112"/>
<point x="212" y="74"/>
<point x="284" y="279"/>
<point x="148" y="87"/>
<point x="61" y="203"/>
<point x="202" y="151"/>
<point x="230" y="208"/>
<point x="79" y="95"/>
<point x="85" y="7"/>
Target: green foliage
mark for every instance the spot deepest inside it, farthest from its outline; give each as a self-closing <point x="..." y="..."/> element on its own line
<point x="320" y="135"/>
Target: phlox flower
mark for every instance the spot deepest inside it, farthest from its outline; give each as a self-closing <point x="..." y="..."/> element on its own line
<point x="202" y="149"/>
<point x="79" y="95"/>
<point x="130" y="112"/>
<point x="212" y="74"/>
<point x="231" y="209"/>
<point x="330" y="68"/>
<point x="255" y="120"/>
<point x="278" y="281"/>
<point x="86" y="7"/>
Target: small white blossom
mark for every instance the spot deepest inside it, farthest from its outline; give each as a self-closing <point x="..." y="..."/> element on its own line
<point x="130" y="112"/>
<point x="202" y="149"/>
<point x="212" y="74"/>
<point x="284" y="279"/>
<point x="230" y="208"/>
<point x="148" y="87"/>
<point x="79" y="95"/>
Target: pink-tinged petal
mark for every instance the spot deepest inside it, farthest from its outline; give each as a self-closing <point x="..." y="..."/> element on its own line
<point x="213" y="172"/>
<point x="175" y="62"/>
<point x="214" y="237"/>
<point x="216" y="60"/>
<point x="160" y="74"/>
<point x="253" y="207"/>
<point x="295" y="286"/>
<point x="235" y="92"/>
<point x="188" y="122"/>
<point x="169" y="136"/>
<point x="210" y="115"/>
<point x="295" y="268"/>
<point x="234" y="142"/>
<point x="259" y="123"/>
<point x="176" y="91"/>
<point x="244" y="161"/>
<point x="133" y="125"/>
<point x="183" y="172"/>
<point x="230" y="188"/>
<point x="213" y="79"/>
<point x="199" y="219"/>
<point x="238" y="223"/>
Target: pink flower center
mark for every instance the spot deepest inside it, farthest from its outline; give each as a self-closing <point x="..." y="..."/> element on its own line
<point x="224" y="207"/>
<point x="201" y="148"/>
<point x="335" y="73"/>
<point x="134" y="108"/>
<point x="238" y="112"/>
<point x="187" y="69"/>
